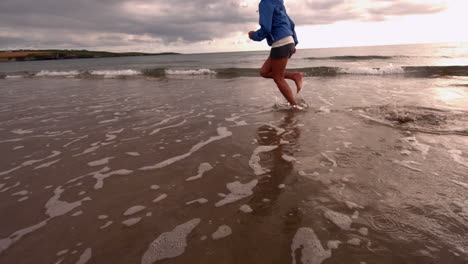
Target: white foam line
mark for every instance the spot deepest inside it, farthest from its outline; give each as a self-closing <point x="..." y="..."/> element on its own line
<point x="88" y="150"/>
<point x="54" y="208"/>
<point x="132" y="221"/>
<point x="200" y="201"/>
<point x="238" y="191"/>
<point x="254" y="161"/>
<point x="129" y="139"/>
<point x="170" y="244"/>
<point x="329" y="159"/>
<point x="405" y="164"/>
<point x="31" y="162"/>
<point x="62" y="252"/>
<point x="238" y="123"/>
<point x="5" y="243"/>
<point x="162" y="128"/>
<point x="222" y="133"/>
<point x="11" y="187"/>
<point x="85" y="257"/>
<point x="77" y="139"/>
<point x="116" y="131"/>
<point x="105" y="169"/>
<point x="20" y="193"/>
<point x="11" y="140"/>
<point x="100" y="177"/>
<point x="45" y="165"/>
<point x="22" y="131"/>
<point x="57" y="73"/>
<point x="189" y="72"/>
<point x="11" y="170"/>
<point x="100" y="162"/>
<point x="163" y="121"/>
<point x="324" y="100"/>
<point x="160" y="197"/>
<point x="110" y="137"/>
<point x="204" y="167"/>
<point x="378" y="121"/>
<point x="115" y="73"/>
<point x="134" y="209"/>
<point x="109" y="120"/>
<point x="462" y="184"/>
<point x="457" y="157"/>
<point x="53" y="134"/>
<point x="279" y="130"/>
<point x="106" y="225"/>
<point x="235" y="117"/>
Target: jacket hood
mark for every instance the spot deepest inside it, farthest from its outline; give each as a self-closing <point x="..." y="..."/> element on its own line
<point x="275" y="1"/>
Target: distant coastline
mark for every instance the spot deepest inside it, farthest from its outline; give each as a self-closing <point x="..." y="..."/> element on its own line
<point x="33" y="55"/>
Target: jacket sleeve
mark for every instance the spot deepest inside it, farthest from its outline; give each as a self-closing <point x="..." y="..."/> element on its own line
<point x="266" y="20"/>
<point x="294" y="32"/>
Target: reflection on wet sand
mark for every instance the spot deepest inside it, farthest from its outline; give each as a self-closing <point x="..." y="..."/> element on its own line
<point x="271" y="185"/>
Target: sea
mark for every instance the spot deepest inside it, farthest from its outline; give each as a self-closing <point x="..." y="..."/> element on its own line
<point x="195" y="158"/>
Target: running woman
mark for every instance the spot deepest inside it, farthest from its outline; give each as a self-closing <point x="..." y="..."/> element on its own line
<point x="278" y="29"/>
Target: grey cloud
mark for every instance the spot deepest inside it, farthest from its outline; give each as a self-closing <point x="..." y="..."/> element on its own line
<point x="58" y="22"/>
<point x="331" y="11"/>
<point x="324" y="4"/>
<point x="406" y="8"/>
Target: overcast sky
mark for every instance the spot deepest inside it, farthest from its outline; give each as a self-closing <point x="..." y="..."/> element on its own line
<point x="222" y="25"/>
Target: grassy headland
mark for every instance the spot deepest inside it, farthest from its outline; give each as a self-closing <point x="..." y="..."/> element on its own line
<point x="30" y="55"/>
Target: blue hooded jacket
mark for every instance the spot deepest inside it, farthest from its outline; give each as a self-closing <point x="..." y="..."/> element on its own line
<point x="275" y="22"/>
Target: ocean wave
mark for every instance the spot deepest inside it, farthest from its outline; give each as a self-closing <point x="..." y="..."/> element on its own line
<point x="355" y="58"/>
<point x="190" y="72"/>
<point x="57" y="73"/>
<point x="226" y="73"/>
<point x="115" y="73"/>
<point x="390" y="69"/>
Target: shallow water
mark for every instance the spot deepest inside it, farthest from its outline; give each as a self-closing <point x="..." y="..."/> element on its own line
<point x="176" y="170"/>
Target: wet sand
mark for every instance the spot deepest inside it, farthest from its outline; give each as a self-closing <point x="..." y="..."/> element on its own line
<point x="209" y="171"/>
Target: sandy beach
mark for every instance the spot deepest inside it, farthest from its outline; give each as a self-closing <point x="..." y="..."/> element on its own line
<point x="171" y="171"/>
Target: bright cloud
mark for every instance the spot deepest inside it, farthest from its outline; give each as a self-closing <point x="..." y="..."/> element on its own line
<point x="219" y="25"/>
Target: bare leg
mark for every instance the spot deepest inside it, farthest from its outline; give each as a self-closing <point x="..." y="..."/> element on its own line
<point x="267" y="72"/>
<point x="298" y="81"/>
<point x="278" y="67"/>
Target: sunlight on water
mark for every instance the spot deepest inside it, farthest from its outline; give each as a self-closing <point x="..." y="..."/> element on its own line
<point x="451" y="94"/>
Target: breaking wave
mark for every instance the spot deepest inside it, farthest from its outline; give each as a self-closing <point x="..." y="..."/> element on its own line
<point x="389" y="70"/>
<point x="56" y="73"/>
<point x="115" y="73"/>
<point x="417" y="118"/>
<point x="189" y="72"/>
<point x="355" y="58"/>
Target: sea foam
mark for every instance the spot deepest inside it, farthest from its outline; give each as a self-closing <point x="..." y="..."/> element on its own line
<point x="312" y="250"/>
<point x="190" y="72"/>
<point x="390" y="69"/>
<point x="170" y="244"/>
<point x="57" y="73"/>
<point x="115" y="73"/>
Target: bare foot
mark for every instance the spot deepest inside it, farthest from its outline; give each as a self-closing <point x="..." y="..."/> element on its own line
<point x="298" y="81"/>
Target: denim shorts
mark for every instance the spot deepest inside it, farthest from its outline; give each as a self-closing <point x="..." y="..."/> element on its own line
<point x="285" y="51"/>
